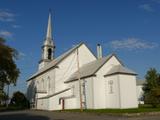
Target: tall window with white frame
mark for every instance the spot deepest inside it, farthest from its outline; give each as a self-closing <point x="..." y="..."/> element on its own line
<point x="49" y="84"/>
<point x="110" y="84"/>
<point x="42" y="88"/>
<point x="73" y="89"/>
<point x="54" y="85"/>
<point x="37" y="85"/>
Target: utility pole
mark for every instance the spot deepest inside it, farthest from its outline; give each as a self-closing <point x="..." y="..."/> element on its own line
<point x="79" y="79"/>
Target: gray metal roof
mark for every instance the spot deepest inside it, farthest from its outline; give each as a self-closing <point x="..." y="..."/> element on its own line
<point x="119" y="69"/>
<point x="89" y="69"/>
<point x="54" y="62"/>
<point x="140" y="82"/>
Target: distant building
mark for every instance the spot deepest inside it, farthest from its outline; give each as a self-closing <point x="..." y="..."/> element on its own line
<point x="104" y="81"/>
<point x="140" y="91"/>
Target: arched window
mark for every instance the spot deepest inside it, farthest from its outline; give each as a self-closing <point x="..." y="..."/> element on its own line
<point x="110" y="86"/>
<point x="49" y="53"/>
<point x="37" y="85"/>
<point x="49" y="84"/>
<point x="42" y="88"/>
<point x="53" y="86"/>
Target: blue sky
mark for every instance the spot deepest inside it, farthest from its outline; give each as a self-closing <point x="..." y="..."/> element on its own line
<point x="129" y="28"/>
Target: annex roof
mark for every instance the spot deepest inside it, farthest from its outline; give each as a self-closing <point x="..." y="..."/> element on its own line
<point x="119" y="69"/>
<point x="89" y="69"/>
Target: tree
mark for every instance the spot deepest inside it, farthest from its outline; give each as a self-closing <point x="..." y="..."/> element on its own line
<point x="152" y="87"/>
<point x="8" y="69"/>
<point x="19" y="100"/>
<point x="3" y="98"/>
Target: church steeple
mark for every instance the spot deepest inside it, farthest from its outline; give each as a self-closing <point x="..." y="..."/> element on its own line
<point x="49" y="27"/>
<point x="48" y="47"/>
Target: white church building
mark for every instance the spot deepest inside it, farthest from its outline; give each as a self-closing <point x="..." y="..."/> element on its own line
<point x="79" y="79"/>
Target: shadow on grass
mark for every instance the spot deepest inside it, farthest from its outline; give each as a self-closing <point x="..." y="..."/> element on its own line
<point x="12" y="108"/>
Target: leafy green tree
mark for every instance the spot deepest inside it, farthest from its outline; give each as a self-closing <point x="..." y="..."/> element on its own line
<point x="3" y="98"/>
<point x="19" y="100"/>
<point x="152" y="87"/>
<point x="8" y="69"/>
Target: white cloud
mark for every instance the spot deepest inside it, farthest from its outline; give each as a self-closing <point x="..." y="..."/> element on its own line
<point x="147" y="7"/>
<point x="5" y="33"/>
<point x="132" y="44"/>
<point x="6" y="16"/>
<point x="16" y="26"/>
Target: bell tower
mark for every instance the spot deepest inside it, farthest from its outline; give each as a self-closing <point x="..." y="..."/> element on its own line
<point x="48" y="47"/>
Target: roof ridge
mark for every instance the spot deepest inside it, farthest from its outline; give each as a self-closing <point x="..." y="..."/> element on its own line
<point x="56" y="61"/>
<point x="98" y="63"/>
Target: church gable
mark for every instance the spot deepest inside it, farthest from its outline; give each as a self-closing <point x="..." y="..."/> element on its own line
<point x="69" y="65"/>
<point x="112" y="61"/>
<point x="84" y="55"/>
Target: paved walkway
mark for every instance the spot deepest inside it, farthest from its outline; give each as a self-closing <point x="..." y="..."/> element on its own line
<point x="44" y="115"/>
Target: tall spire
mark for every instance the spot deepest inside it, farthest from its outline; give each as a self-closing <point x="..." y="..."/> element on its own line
<point x="49" y="27"/>
<point x="48" y="47"/>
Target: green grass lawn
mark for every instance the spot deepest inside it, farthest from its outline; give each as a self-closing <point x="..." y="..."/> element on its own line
<point x="141" y="109"/>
